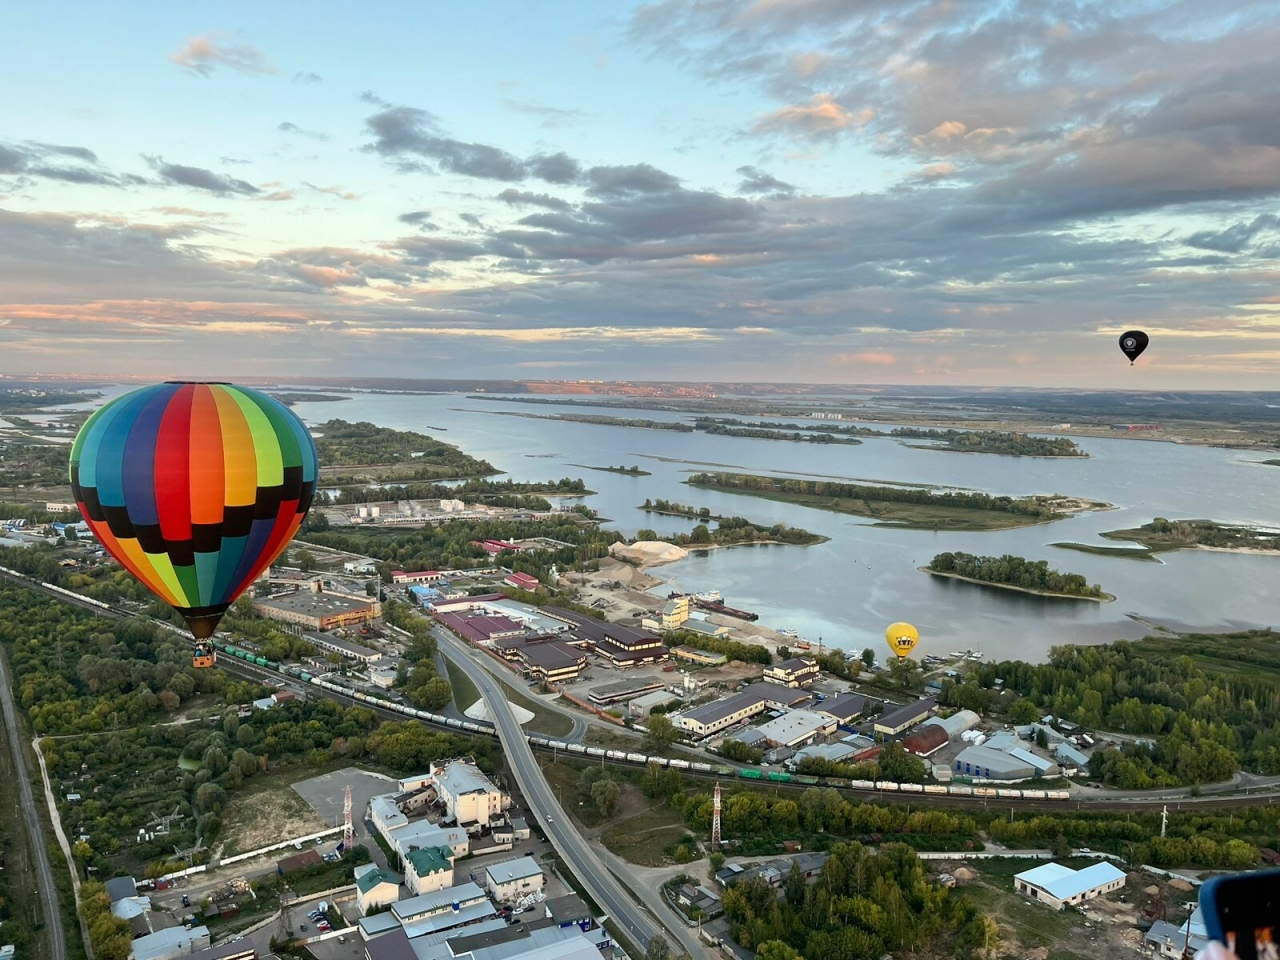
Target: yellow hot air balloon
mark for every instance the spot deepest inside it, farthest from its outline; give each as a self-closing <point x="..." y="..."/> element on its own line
<point x="902" y="639"/>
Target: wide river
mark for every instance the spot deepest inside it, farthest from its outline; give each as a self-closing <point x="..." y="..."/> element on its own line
<point x="848" y="589"/>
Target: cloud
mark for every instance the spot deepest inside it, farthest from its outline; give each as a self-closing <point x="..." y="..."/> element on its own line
<point x="555" y="168"/>
<point x="201" y="178"/>
<point x="288" y="127"/>
<point x="632" y="178"/>
<point x="755" y="180"/>
<point x="418" y="218"/>
<point x="516" y="197"/>
<point x="1236" y="237"/>
<point x="306" y="78"/>
<point x="333" y="191"/>
<point x="68" y="164"/>
<point x="822" y="118"/>
<point x="878" y="358"/>
<point x="204" y="54"/>
<point x="368" y="96"/>
<point x="410" y="132"/>
<point x="552" y="117"/>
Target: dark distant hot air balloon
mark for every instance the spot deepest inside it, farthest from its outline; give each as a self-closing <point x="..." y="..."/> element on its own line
<point x="195" y="488"/>
<point x="1133" y="343"/>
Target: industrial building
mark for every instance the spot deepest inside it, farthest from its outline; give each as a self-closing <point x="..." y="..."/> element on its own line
<point x="315" y="610"/>
<point x="901" y="718"/>
<point x="522" y="581"/>
<point x="702" y="658"/>
<point x="796" y="672"/>
<point x="926" y="741"/>
<point x="551" y="661"/>
<point x="673" y="616"/>
<point x="642" y="706"/>
<point x="845" y="708"/>
<point x="620" y="690"/>
<point x="721" y="714"/>
<point x="1069" y="756"/>
<point x="796" y="727"/>
<point x="622" y="646"/>
<point x="510" y="880"/>
<point x="170" y="944"/>
<point x="956" y="724"/>
<point x="345" y="648"/>
<point x="1059" y="886"/>
<point x="480" y="627"/>
<point x="833" y="752"/>
<point x="989" y="764"/>
<point x="419" y="576"/>
<point x="704" y="628"/>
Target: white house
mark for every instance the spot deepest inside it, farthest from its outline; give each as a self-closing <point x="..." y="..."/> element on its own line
<point x="468" y="795"/>
<point x="509" y="880"/>
<point x="1058" y="886"/>
<point x="374" y="888"/>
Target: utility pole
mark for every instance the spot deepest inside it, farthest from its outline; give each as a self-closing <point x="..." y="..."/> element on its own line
<point x="715" y="820"/>
<point x="1164" y="820"/>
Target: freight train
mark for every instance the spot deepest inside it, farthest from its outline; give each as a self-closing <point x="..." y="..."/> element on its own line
<point x="617" y="756"/>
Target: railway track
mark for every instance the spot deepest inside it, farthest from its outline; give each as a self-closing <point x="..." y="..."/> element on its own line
<point x="251" y="670"/>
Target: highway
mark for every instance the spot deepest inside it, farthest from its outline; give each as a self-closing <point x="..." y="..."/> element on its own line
<point x="638" y="926"/>
<point x="35" y="835"/>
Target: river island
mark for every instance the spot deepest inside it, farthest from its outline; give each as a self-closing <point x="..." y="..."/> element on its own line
<point x="1162" y="536"/>
<point x="1015" y="573"/>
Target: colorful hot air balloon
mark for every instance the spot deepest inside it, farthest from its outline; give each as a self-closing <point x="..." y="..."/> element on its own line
<point x="195" y="488"/>
<point x="902" y="639"/>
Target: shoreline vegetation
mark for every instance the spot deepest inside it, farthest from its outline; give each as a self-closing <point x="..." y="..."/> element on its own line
<point x="904" y="508"/>
<point x="631" y="471"/>
<point x="1164" y="536"/>
<point x="340" y="444"/>
<point x="728" y="532"/>
<point x="997" y="442"/>
<point x="289" y="399"/>
<point x="1125" y="553"/>
<point x="1017" y="574"/>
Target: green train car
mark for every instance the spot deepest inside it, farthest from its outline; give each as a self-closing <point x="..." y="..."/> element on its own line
<point x="778" y="776"/>
<point x="751" y="774"/>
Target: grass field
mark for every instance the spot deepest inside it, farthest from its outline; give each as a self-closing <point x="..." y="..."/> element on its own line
<point x="545" y="720"/>
<point x="268" y="810"/>
<point x="644" y="838"/>
<point x="464" y="691"/>
<point x="914" y="516"/>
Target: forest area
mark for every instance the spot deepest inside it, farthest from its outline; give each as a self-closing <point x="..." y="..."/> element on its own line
<point x="994" y="441"/>
<point x="339" y="444"/>
<point x="1011" y="571"/>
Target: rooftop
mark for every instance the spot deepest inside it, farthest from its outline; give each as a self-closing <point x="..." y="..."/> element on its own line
<point x="337" y="643"/>
<point x="795" y="725"/>
<point x="430" y="860"/>
<point x="316" y="604"/>
<point x="900" y="715"/>
<point x="463" y="894"/>
<point x="551" y="655"/>
<point x="795" y="664"/>
<point x="756" y="693"/>
<point x="163" y="942"/>
<point x="844" y="707"/>
<point x="505" y="871"/>
<point x="450" y="919"/>
<point x="460" y="777"/>
<point x="567" y="908"/>
<point x="1063" y="883"/>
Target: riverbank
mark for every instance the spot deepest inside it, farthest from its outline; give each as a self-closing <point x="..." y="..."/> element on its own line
<point x="1105" y="598"/>
<point x="1164" y="536"/>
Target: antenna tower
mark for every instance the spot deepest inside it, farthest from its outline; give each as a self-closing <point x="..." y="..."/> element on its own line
<point x="348" y="832"/>
<point x="1164" y="820"/>
<point x="715" y="821"/>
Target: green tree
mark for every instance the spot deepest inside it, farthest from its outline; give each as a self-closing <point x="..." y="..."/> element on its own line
<point x="700" y="534"/>
<point x="605" y="795"/>
<point x="1023" y="711"/>
<point x="660" y="733"/>
<point x="777" y="950"/>
<point x="305" y="561"/>
<point x="646" y="534"/>
<point x="868" y="657"/>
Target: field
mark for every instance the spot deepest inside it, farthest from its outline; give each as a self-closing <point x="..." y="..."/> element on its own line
<point x="545" y="720"/>
<point x="643" y="839"/>
<point x="464" y="691"/>
<point x="268" y="812"/>
<point x="914" y="516"/>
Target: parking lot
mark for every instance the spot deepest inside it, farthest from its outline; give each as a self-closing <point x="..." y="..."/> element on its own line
<point x="325" y="796"/>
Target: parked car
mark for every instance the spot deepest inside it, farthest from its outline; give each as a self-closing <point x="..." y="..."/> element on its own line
<point x="304" y="928"/>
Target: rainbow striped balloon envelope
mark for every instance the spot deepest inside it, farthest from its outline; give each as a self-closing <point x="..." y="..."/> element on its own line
<point x="195" y="488"/>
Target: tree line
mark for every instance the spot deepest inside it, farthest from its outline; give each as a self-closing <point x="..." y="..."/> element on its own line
<point x="341" y="443"/>
<point x="1016" y="572"/>
<point x="853" y="491"/>
<point x="995" y="441"/>
<point x="746" y="652"/>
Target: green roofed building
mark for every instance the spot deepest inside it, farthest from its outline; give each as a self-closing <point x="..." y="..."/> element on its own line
<point x="375" y="887"/>
<point x="428" y="869"/>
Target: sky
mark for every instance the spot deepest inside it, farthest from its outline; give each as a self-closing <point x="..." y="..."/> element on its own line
<point x="834" y="191"/>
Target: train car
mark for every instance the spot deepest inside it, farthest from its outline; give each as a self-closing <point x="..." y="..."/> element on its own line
<point x="455" y="722"/>
<point x="637" y="758"/>
<point x="557" y="745"/>
<point x="987" y="792"/>
<point x="678" y="764"/>
<point x="599" y="752"/>
<point x="887" y="785"/>
<point x="361" y="695"/>
<point x="912" y="788"/>
<point x="263" y="662"/>
<point x="615" y="754"/>
<point x="808" y="781"/>
<point x="539" y="741"/>
<point x="1058" y="795"/>
<point x="862" y="784"/>
<point x="723" y="771"/>
<point x="1008" y="794"/>
<point x="576" y="747"/>
<point x="751" y="774"/>
<point x="1034" y="795"/>
<point x="934" y="788"/>
<point x="700" y="767"/>
<point x="960" y="790"/>
<point x="778" y="776"/>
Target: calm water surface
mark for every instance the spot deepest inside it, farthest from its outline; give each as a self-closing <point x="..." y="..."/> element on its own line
<point x="849" y="588"/>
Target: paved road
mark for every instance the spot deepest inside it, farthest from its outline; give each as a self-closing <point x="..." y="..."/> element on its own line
<point x="638" y="925"/>
<point x="44" y="872"/>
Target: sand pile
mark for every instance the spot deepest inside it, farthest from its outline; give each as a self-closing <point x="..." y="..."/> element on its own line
<point x="649" y="552"/>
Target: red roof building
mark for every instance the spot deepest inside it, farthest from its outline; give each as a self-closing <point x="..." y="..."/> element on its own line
<point x="523" y="581"/>
<point x="927" y="740"/>
<point x="420" y="576"/>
